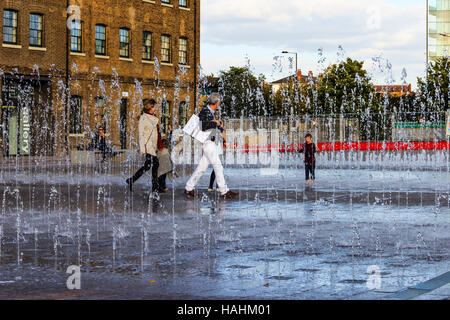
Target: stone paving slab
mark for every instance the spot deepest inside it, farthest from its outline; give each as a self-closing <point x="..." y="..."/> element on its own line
<point x="442" y="293"/>
<point x="435" y="283"/>
<point x="436" y="288"/>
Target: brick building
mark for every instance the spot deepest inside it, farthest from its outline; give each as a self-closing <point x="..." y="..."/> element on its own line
<point x="69" y="67"/>
<point x="299" y="77"/>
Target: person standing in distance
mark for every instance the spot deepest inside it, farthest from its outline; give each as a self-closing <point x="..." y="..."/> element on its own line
<point x="210" y="152"/>
<point x="309" y="148"/>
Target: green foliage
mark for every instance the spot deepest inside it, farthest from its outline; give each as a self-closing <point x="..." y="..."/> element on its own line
<point x="293" y="98"/>
<point x="434" y="90"/>
<point x="346" y="88"/>
<point x="244" y="94"/>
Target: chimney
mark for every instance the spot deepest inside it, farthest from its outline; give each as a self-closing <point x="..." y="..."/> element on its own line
<point x="299" y="75"/>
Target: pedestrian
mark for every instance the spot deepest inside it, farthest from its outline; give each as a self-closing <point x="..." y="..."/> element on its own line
<point x="165" y="165"/>
<point x="309" y="148"/>
<point x="210" y="151"/>
<point x="148" y="144"/>
<point x="99" y="143"/>
<point x="220" y="147"/>
<point x="168" y="134"/>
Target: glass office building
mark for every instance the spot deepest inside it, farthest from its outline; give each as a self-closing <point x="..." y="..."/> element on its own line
<point x="438" y="24"/>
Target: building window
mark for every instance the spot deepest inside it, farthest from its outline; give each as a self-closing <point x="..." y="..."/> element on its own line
<point x="75" y="115"/>
<point x="183" y="53"/>
<point x="10" y="26"/>
<point x="36" y="28"/>
<point x="76" y="37"/>
<point x="165" y="116"/>
<point x="100" y="39"/>
<point x="182" y="114"/>
<point x="165" y="1"/>
<point x="147" y="46"/>
<point x="124" y="49"/>
<point x="165" y="48"/>
<point x="183" y="3"/>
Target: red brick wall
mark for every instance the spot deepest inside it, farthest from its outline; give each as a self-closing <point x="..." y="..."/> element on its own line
<point x="86" y="71"/>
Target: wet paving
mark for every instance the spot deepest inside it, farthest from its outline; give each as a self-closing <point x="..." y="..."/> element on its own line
<point x="279" y="240"/>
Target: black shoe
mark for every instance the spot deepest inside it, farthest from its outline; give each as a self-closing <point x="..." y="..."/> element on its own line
<point x="189" y="193"/>
<point x="130" y="184"/>
<point x="230" y="195"/>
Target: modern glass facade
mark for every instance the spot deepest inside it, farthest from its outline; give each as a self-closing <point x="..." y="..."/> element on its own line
<point x="438" y="29"/>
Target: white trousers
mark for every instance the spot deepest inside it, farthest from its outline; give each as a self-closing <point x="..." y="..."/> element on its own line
<point x="210" y="156"/>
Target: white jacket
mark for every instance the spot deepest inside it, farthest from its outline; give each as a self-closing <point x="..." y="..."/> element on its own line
<point x="148" y="134"/>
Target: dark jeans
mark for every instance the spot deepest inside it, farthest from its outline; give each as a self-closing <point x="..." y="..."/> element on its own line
<point x="310" y="168"/>
<point x="162" y="182"/>
<point x="151" y="162"/>
<point x="211" y="180"/>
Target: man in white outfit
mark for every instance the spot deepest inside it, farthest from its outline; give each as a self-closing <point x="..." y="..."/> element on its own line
<point x="210" y="151"/>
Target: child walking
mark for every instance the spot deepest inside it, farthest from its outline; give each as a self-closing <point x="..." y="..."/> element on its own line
<point x="309" y="148"/>
<point x="165" y="165"/>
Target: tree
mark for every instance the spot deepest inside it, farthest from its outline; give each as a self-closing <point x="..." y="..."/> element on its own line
<point x="244" y="94"/>
<point x="434" y="90"/>
<point x="293" y="98"/>
<point x="346" y="88"/>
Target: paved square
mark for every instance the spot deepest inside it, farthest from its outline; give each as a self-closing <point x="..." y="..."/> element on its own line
<point x="356" y="234"/>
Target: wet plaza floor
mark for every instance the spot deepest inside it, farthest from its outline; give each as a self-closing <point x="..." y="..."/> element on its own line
<point x="356" y="234"/>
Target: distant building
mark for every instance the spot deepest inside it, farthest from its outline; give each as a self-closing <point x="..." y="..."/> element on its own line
<point x="438" y="29"/>
<point x="393" y="90"/>
<point x="276" y="85"/>
<point x="113" y="55"/>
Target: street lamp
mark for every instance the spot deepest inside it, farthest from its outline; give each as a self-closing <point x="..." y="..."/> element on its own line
<point x="296" y="59"/>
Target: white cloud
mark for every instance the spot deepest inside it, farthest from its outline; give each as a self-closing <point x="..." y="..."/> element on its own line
<point x="267" y="26"/>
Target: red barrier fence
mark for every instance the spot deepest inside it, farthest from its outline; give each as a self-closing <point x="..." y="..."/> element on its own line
<point x="355" y="146"/>
<point x="383" y="146"/>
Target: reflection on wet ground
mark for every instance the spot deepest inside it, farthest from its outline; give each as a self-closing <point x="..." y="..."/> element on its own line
<point x="279" y="240"/>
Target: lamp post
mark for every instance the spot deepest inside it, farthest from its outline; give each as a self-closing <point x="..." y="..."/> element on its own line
<point x="296" y="59"/>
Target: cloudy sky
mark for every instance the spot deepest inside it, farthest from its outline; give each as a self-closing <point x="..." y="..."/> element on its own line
<point x="389" y="35"/>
